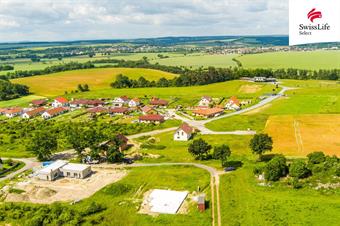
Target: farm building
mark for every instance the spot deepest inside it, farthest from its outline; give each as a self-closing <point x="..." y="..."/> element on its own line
<point x="208" y="112"/>
<point x="12" y="112"/>
<point x="201" y="202"/>
<point x="158" y="102"/>
<point x="119" y="111"/>
<point x="54" y="112"/>
<point x="151" y="119"/>
<point x="233" y="104"/>
<point x="184" y="132"/>
<point x="33" y="113"/>
<point x="60" y="102"/>
<point x="135" y="102"/>
<point x="62" y="168"/>
<point x="264" y="79"/>
<point x="205" y="101"/>
<point x="120" y="101"/>
<point x="38" y="103"/>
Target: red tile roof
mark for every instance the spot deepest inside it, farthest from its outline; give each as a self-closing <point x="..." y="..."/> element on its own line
<point x="36" y="111"/>
<point x="97" y="110"/>
<point x="39" y="102"/>
<point x="55" y="111"/>
<point x="62" y="100"/>
<point x="119" y="110"/>
<point x="87" y="102"/>
<point x="13" y="110"/>
<point x="160" y="102"/>
<point x="186" y="128"/>
<point x="208" y="111"/>
<point x="147" y="109"/>
<point x="234" y="100"/>
<point x="207" y="98"/>
<point x="156" y="118"/>
<point x="124" y="98"/>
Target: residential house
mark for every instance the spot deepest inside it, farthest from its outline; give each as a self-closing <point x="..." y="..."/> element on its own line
<point x="61" y="168"/>
<point x="86" y="103"/>
<point x="39" y="103"/>
<point x="12" y="112"/>
<point x="233" y="104"/>
<point x="60" y="102"/>
<point x="208" y="112"/>
<point x="3" y="111"/>
<point x="97" y="110"/>
<point x="158" y="102"/>
<point x="205" y="101"/>
<point x="119" y="111"/>
<point x="184" y="132"/>
<point x="33" y="113"/>
<point x="135" y="102"/>
<point x="148" y="110"/>
<point x="123" y="142"/>
<point x="151" y="119"/>
<point x="120" y="101"/>
<point x="54" y="112"/>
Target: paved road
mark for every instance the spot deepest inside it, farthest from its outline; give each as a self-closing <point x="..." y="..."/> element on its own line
<point x="29" y="164"/>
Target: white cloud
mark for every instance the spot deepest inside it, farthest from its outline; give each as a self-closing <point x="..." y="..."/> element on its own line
<point x="103" y="19"/>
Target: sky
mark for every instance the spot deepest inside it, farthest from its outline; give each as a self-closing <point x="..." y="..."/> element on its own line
<point x="61" y="20"/>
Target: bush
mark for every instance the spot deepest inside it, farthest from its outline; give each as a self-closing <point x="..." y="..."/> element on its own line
<point x="258" y="170"/>
<point x="275" y="168"/>
<point x="316" y="157"/>
<point x="298" y="169"/>
<point x="297" y="184"/>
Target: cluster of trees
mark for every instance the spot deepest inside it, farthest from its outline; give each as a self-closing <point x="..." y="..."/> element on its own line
<point x="201" y="150"/>
<point x="43" y="138"/>
<point x="317" y="164"/>
<point x="55" y="214"/>
<point x="5" y="67"/>
<point x="51" y="69"/>
<point x="9" y="90"/>
<point x="83" y="88"/>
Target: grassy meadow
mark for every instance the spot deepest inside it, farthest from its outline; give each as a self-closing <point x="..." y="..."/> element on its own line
<point x="322" y="59"/>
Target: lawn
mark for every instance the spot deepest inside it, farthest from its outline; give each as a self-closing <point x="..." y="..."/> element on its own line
<point x="321" y="59"/>
<point x="243" y="202"/>
<point x="22" y="101"/>
<point x="98" y="78"/>
<point x="123" y="199"/>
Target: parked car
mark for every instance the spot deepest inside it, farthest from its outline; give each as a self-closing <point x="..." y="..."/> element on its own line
<point x="230" y="168"/>
<point x="127" y="161"/>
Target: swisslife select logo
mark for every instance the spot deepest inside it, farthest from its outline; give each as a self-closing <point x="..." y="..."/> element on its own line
<point x="314" y="21"/>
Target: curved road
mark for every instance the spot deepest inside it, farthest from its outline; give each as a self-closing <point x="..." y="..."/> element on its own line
<point x="29" y="164"/>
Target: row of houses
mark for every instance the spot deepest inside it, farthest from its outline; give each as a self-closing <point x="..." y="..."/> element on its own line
<point x="32" y="113"/>
<point x="233" y="103"/>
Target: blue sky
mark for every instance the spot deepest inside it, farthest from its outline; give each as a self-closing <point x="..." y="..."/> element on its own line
<point x="49" y="20"/>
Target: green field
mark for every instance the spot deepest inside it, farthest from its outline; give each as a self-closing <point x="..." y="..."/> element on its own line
<point x="98" y="78"/>
<point x="22" y="101"/>
<point x="315" y="60"/>
<point x="243" y="202"/>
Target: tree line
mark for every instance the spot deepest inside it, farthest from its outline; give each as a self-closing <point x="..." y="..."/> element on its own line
<point x="10" y="91"/>
<point x="5" y="67"/>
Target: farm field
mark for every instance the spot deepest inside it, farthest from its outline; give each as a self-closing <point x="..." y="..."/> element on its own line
<point x="244" y="202"/>
<point x="98" y="78"/>
<point x="303" y="134"/>
<point x="22" y="101"/>
<point x="315" y="60"/>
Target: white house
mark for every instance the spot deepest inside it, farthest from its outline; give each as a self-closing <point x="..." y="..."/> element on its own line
<point x="205" y="101"/>
<point x="33" y="113"/>
<point x="62" y="168"/>
<point x="183" y="133"/>
<point x="233" y="104"/>
<point x="120" y="101"/>
<point x="135" y="102"/>
<point x="53" y="112"/>
<point x="10" y="113"/>
<point x="60" y="102"/>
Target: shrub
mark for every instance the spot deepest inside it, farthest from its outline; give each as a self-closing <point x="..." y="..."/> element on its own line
<point x="297" y="184"/>
<point x="275" y="168"/>
<point x="258" y="170"/>
<point x="316" y="157"/>
<point x="298" y="169"/>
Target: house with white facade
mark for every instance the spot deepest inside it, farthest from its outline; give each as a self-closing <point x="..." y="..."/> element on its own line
<point x="13" y="112"/>
<point x="33" y="113"/>
<point x="183" y="133"/>
<point x="233" y="104"/>
<point x="205" y="101"/>
<point x="120" y="101"/>
<point x="135" y="102"/>
<point x="54" y="112"/>
<point x="60" y="102"/>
